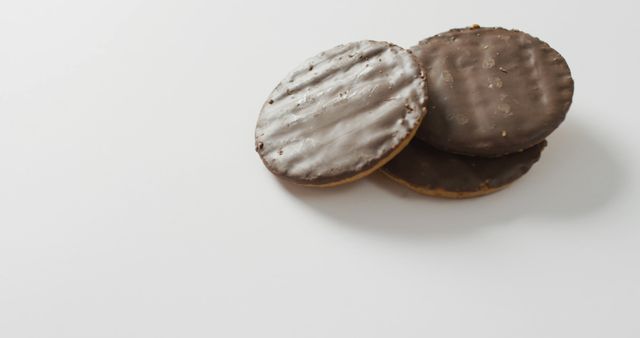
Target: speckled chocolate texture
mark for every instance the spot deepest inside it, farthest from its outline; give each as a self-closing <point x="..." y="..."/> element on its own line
<point x="492" y="91"/>
<point x="433" y="172"/>
<point x="342" y="114"/>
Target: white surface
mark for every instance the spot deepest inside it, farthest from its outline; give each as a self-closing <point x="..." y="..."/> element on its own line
<point x="132" y="203"/>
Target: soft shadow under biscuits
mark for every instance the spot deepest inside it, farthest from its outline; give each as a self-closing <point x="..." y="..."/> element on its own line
<point x="576" y="176"/>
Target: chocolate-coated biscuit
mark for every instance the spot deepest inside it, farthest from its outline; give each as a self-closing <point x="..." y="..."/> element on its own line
<point x="432" y="172"/>
<point x="492" y="91"/>
<point x="342" y="114"/>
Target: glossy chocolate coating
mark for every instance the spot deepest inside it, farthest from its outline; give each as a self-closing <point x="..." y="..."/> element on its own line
<point x="434" y="172"/>
<point x="342" y="113"/>
<point x="492" y="91"/>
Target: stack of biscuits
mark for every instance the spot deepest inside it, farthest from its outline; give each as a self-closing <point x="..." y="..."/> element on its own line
<point x="462" y="114"/>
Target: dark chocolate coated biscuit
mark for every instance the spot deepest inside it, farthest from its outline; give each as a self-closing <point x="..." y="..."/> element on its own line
<point x="492" y="91"/>
<point x="432" y="172"/>
<point x="342" y="114"/>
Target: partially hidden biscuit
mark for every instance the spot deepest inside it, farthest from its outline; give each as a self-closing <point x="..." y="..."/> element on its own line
<point x="342" y="114"/>
<point x="432" y="172"/>
<point x="492" y="91"/>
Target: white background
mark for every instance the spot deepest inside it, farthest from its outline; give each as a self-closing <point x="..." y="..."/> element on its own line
<point x="132" y="203"/>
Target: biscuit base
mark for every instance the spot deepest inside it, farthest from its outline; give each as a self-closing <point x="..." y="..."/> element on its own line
<point x="482" y="191"/>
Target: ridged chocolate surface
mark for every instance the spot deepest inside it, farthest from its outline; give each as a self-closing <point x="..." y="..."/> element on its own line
<point x="341" y="113"/>
<point x="492" y="91"/>
<point x="427" y="169"/>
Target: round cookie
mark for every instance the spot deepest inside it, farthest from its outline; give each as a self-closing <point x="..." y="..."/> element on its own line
<point x="432" y="172"/>
<point x="492" y="91"/>
<point x="342" y="114"/>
